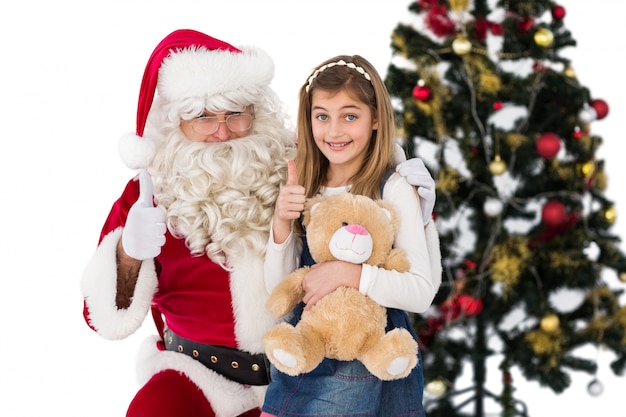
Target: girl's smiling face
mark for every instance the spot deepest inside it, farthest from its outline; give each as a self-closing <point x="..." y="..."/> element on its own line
<point x="342" y="129"/>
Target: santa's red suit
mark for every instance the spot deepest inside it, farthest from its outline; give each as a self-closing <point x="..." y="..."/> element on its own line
<point x="204" y="302"/>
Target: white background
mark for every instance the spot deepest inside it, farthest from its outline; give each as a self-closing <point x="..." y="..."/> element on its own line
<point x="69" y="77"/>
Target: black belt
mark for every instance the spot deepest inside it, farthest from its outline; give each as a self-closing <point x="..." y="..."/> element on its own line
<point x="234" y="364"/>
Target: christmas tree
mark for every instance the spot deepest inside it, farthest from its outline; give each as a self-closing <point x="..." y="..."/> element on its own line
<point x="485" y="96"/>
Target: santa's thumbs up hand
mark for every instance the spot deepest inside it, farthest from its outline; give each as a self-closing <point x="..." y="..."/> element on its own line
<point x="144" y="232"/>
<point x="291" y="198"/>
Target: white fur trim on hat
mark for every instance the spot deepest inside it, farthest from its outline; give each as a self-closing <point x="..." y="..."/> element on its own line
<point x="198" y="72"/>
<point x="136" y="152"/>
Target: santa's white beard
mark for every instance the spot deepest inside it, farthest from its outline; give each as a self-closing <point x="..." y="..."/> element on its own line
<point x="219" y="196"/>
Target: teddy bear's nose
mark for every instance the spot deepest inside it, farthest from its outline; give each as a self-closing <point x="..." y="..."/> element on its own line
<point x="356" y="229"/>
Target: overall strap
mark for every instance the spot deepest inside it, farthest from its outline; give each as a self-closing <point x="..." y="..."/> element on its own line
<point x="382" y="183"/>
<point x="305" y="258"/>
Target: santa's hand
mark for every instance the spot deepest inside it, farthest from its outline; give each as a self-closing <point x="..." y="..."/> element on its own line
<point x="144" y="233"/>
<point x="417" y="175"/>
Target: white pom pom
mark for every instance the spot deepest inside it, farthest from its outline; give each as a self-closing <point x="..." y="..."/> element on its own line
<point x="493" y="207"/>
<point x="587" y="115"/>
<point x="135" y="151"/>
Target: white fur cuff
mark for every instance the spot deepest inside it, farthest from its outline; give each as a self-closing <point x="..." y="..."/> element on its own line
<point x="99" y="287"/>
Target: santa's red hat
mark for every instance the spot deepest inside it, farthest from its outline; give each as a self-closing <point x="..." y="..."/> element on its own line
<point x="188" y="64"/>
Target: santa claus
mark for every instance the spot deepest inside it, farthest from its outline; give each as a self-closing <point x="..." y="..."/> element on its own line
<point x="194" y="257"/>
<point x="186" y="239"/>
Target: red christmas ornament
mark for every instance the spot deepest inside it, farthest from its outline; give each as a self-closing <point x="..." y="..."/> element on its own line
<point x="601" y="108"/>
<point x="422" y="93"/>
<point x="553" y="213"/>
<point x="497" y="105"/>
<point x="469" y="264"/>
<point x="496" y="28"/>
<point x="558" y="12"/>
<point x="538" y="67"/>
<point x="481" y="26"/>
<point x="525" y="24"/>
<point x="469" y="305"/>
<point x="438" y="21"/>
<point x="450" y="309"/>
<point x="427" y="334"/>
<point x="507" y="378"/>
<point x="548" y="145"/>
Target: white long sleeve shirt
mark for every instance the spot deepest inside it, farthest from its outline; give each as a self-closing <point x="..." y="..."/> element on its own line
<point x="411" y="291"/>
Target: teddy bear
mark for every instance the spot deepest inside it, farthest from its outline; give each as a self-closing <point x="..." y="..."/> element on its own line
<point x="345" y="324"/>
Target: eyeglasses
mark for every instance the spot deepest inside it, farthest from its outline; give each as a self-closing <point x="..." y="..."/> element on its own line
<point x="236" y="122"/>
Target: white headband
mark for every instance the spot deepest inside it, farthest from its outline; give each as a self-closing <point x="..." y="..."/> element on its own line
<point x="360" y="70"/>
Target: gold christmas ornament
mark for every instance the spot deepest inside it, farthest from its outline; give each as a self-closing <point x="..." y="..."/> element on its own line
<point x="610" y="215"/>
<point x="550" y="323"/>
<point x="622" y="276"/>
<point x="436" y="387"/>
<point x="461" y="45"/>
<point x="587" y="169"/>
<point x="497" y="166"/>
<point x="569" y="72"/>
<point x="543" y="37"/>
<point x="458" y="5"/>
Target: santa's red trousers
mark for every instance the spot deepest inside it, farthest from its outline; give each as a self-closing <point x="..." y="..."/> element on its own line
<point x="171" y="394"/>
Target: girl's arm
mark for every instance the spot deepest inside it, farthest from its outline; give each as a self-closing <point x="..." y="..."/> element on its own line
<point x="414" y="290"/>
<point x="280" y="259"/>
<point x="283" y="248"/>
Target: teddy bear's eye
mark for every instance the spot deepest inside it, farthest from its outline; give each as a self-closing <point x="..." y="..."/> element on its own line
<point x="344" y="224"/>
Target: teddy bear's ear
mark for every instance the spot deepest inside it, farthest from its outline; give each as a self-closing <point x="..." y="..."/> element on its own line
<point x="387" y="213"/>
<point x="310" y="205"/>
<point x="386" y="208"/>
<point x="390" y="213"/>
<point x="314" y="207"/>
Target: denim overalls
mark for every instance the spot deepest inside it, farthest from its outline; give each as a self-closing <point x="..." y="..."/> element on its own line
<point x="340" y="388"/>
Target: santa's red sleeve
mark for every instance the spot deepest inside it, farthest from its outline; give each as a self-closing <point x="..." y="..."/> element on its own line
<point x="99" y="279"/>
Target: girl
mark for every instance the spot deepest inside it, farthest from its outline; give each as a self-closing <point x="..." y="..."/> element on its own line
<point x="346" y="144"/>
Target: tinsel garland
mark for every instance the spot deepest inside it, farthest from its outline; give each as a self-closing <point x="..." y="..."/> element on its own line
<point x="508" y="260"/>
<point x="448" y="180"/>
<point x="515" y="140"/>
<point x="547" y="344"/>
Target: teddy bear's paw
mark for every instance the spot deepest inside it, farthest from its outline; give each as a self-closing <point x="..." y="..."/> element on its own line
<point x="398" y="366"/>
<point x="285" y="358"/>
